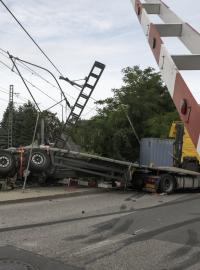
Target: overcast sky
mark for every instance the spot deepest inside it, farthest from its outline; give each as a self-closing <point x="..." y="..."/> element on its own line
<point x="75" y="33"/>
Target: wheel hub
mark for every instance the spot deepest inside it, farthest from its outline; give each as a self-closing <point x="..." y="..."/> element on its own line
<point x="6" y="264"/>
<point x="167" y="184"/>
<point x="37" y="159"/>
<point x="4" y="161"/>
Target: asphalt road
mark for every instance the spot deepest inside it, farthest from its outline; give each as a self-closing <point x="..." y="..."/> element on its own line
<point x="114" y="230"/>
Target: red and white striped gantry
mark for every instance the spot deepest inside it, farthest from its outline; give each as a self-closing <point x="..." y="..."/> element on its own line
<point x="186" y="102"/>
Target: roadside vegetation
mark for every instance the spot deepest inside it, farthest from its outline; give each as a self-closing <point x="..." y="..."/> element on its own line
<point x="145" y="100"/>
<point x="24" y="119"/>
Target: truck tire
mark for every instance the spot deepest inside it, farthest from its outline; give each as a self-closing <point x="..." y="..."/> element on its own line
<point x="167" y="183"/>
<point x="7" y="163"/>
<point x="40" y="161"/>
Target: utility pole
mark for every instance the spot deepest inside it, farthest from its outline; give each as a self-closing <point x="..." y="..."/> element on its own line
<point x="42" y="139"/>
<point x="10" y="117"/>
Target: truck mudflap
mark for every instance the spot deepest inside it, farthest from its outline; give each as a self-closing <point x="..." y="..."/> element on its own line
<point x="151" y="184"/>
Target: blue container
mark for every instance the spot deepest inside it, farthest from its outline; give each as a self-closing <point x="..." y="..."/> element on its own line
<point x="156" y="152"/>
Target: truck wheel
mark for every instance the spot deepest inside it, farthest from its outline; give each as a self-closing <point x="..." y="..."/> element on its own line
<point x="7" y="163"/>
<point x="167" y="183"/>
<point x="40" y="161"/>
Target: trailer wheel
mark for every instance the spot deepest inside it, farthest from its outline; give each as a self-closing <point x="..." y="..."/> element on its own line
<point x="7" y="163"/>
<point x="40" y="161"/>
<point x="167" y="183"/>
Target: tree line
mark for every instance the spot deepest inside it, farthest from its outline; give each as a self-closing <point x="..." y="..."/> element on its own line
<point x="144" y="100"/>
<point x="24" y="120"/>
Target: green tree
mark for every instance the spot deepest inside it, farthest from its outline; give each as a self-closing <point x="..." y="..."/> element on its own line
<point x="146" y="101"/>
<point x="53" y="126"/>
<point x="24" y="120"/>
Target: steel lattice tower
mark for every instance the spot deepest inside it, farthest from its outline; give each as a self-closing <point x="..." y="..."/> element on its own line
<point x="10" y="117"/>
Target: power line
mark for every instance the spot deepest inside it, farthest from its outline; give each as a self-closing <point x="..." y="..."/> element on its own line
<point x="4" y="88"/>
<point x="33" y="98"/>
<point x="21" y="98"/>
<point x="30" y="70"/>
<point x="26" y="67"/>
<point x="37" y="74"/>
<point x="79" y="92"/>
<point x="92" y="109"/>
<point x="41" y="77"/>
<point x="20" y="24"/>
<point x="3" y="50"/>
<point x="34" y="86"/>
<point x="3" y="91"/>
<point x="43" y="68"/>
<point x="23" y="64"/>
<point x="17" y="95"/>
<point x="14" y="95"/>
<point x="28" y="82"/>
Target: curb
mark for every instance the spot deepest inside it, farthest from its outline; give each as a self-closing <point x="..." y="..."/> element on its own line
<point x="52" y="197"/>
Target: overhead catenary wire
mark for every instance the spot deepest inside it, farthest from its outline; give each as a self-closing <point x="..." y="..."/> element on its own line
<point x="41" y="50"/>
<point x="79" y="92"/>
<point x="45" y="69"/>
<point x="55" y="86"/>
<point x="3" y="91"/>
<point x="15" y="94"/>
<point x="40" y="90"/>
<point x="3" y="88"/>
<point x="3" y="50"/>
<point x="36" y="87"/>
<point x="33" y="40"/>
<point x="41" y="77"/>
<point x="92" y="109"/>
<point x="37" y="74"/>
<point x="22" y="64"/>
<point x="54" y="105"/>
<point x="44" y="79"/>
<point x="14" y="65"/>
<point x="26" y="79"/>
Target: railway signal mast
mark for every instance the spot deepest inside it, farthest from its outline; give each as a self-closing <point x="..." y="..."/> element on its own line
<point x="10" y="117"/>
<point x="185" y="99"/>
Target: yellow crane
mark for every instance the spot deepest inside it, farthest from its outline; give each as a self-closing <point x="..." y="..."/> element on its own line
<point x="188" y="148"/>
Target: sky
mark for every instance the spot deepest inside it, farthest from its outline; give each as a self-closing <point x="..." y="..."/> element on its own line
<point x="74" y="34"/>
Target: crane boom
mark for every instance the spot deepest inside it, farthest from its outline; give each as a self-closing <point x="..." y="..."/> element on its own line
<point x="186" y="100"/>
